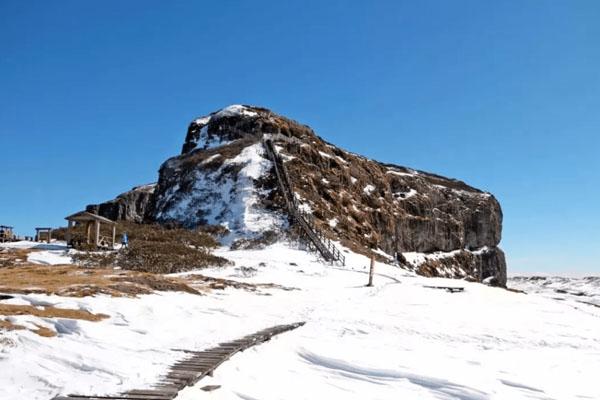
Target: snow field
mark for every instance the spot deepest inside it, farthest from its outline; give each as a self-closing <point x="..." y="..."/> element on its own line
<point x="397" y="339"/>
<point x="400" y="339"/>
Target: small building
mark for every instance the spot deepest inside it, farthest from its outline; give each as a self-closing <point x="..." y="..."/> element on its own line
<point x="46" y="231"/>
<point x="6" y="234"/>
<point x="92" y="224"/>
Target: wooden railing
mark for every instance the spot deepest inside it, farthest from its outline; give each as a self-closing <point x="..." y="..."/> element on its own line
<point x="304" y="220"/>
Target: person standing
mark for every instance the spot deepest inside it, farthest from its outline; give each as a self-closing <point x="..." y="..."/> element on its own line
<point x="124" y="241"/>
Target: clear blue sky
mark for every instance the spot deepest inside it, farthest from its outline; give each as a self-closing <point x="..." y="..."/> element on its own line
<point x="503" y="95"/>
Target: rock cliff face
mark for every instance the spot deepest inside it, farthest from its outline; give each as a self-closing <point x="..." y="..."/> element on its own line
<point x="129" y="206"/>
<point x="432" y="224"/>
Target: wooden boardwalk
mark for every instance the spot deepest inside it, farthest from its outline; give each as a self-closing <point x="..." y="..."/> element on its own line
<point x="191" y="369"/>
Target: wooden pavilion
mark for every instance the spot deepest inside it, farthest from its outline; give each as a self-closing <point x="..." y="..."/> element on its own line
<point x="46" y="231"/>
<point x="92" y="220"/>
<point x="6" y="233"/>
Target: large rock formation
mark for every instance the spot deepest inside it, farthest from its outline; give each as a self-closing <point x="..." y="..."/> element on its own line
<point x="435" y="225"/>
<point x="129" y="206"/>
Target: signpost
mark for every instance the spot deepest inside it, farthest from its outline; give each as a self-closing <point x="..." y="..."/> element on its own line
<point x="371" y="271"/>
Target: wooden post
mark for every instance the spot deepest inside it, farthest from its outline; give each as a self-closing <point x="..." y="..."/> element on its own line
<point x="88" y="229"/>
<point x="49" y="235"/>
<point x="96" y="233"/>
<point x="69" y="235"/>
<point x="114" y="235"/>
<point x="371" y="271"/>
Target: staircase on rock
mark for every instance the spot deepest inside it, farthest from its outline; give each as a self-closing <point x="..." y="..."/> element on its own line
<point x="303" y="220"/>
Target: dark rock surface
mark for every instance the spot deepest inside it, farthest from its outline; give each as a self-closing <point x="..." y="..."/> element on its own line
<point x="128" y="206"/>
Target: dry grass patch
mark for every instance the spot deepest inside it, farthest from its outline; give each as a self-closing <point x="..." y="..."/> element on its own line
<point x="69" y="280"/>
<point x="43" y="331"/>
<point x="10" y="257"/>
<point x="208" y="282"/>
<point x="50" y="312"/>
<point x="9" y="326"/>
<point x="161" y="249"/>
<point x="45" y="312"/>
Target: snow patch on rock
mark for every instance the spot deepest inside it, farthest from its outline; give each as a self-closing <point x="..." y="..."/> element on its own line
<point x="221" y="197"/>
<point x="235" y="110"/>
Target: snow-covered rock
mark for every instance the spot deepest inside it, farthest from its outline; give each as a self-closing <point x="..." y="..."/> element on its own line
<point x="219" y="191"/>
<point x="223" y="177"/>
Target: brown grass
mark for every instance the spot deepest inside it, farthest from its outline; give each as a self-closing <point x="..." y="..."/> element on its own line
<point x="9" y="326"/>
<point x="198" y="280"/>
<point x="158" y="249"/>
<point x="43" y="331"/>
<point x="9" y="257"/>
<point x="50" y="312"/>
<point x="45" y="312"/>
<point x="69" y="280"/>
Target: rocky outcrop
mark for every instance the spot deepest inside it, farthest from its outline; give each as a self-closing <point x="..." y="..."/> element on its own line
<point x="224" y="177"/>
<point x="434" y="225"/>
<point x="128" y="206"/>
<point x="486" y="264"/>
<point x="221" y="178"/>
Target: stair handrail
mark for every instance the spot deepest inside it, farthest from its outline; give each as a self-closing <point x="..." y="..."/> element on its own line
<point x="306" y="220"/>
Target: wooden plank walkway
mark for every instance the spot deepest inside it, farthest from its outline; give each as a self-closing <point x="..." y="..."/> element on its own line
<point x="191" y="369"/>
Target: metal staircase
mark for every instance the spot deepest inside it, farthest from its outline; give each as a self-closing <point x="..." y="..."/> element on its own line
<point x="303" y="220"/>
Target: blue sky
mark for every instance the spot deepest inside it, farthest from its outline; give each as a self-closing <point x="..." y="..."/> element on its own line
<point x="94" y="96"/>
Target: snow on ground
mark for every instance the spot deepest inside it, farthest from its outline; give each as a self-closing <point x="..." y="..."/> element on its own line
<point x="26" y="244"/>
<point x="54" y="253"/>
<point x="50" y="257"/>
<point x="395" y="340"/>
<point x="570" y="290"/>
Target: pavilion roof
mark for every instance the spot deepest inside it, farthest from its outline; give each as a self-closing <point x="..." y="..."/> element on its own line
<point x="84" y="216"/>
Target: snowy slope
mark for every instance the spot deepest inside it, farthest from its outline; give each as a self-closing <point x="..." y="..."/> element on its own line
<point x="585" y="290"/>
<point x="395" y="340"/>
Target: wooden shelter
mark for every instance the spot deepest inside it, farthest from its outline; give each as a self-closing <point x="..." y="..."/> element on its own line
<point x="6" y="234"/>
<point x="92" y="220"/>
<point x="38" y="234"/>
